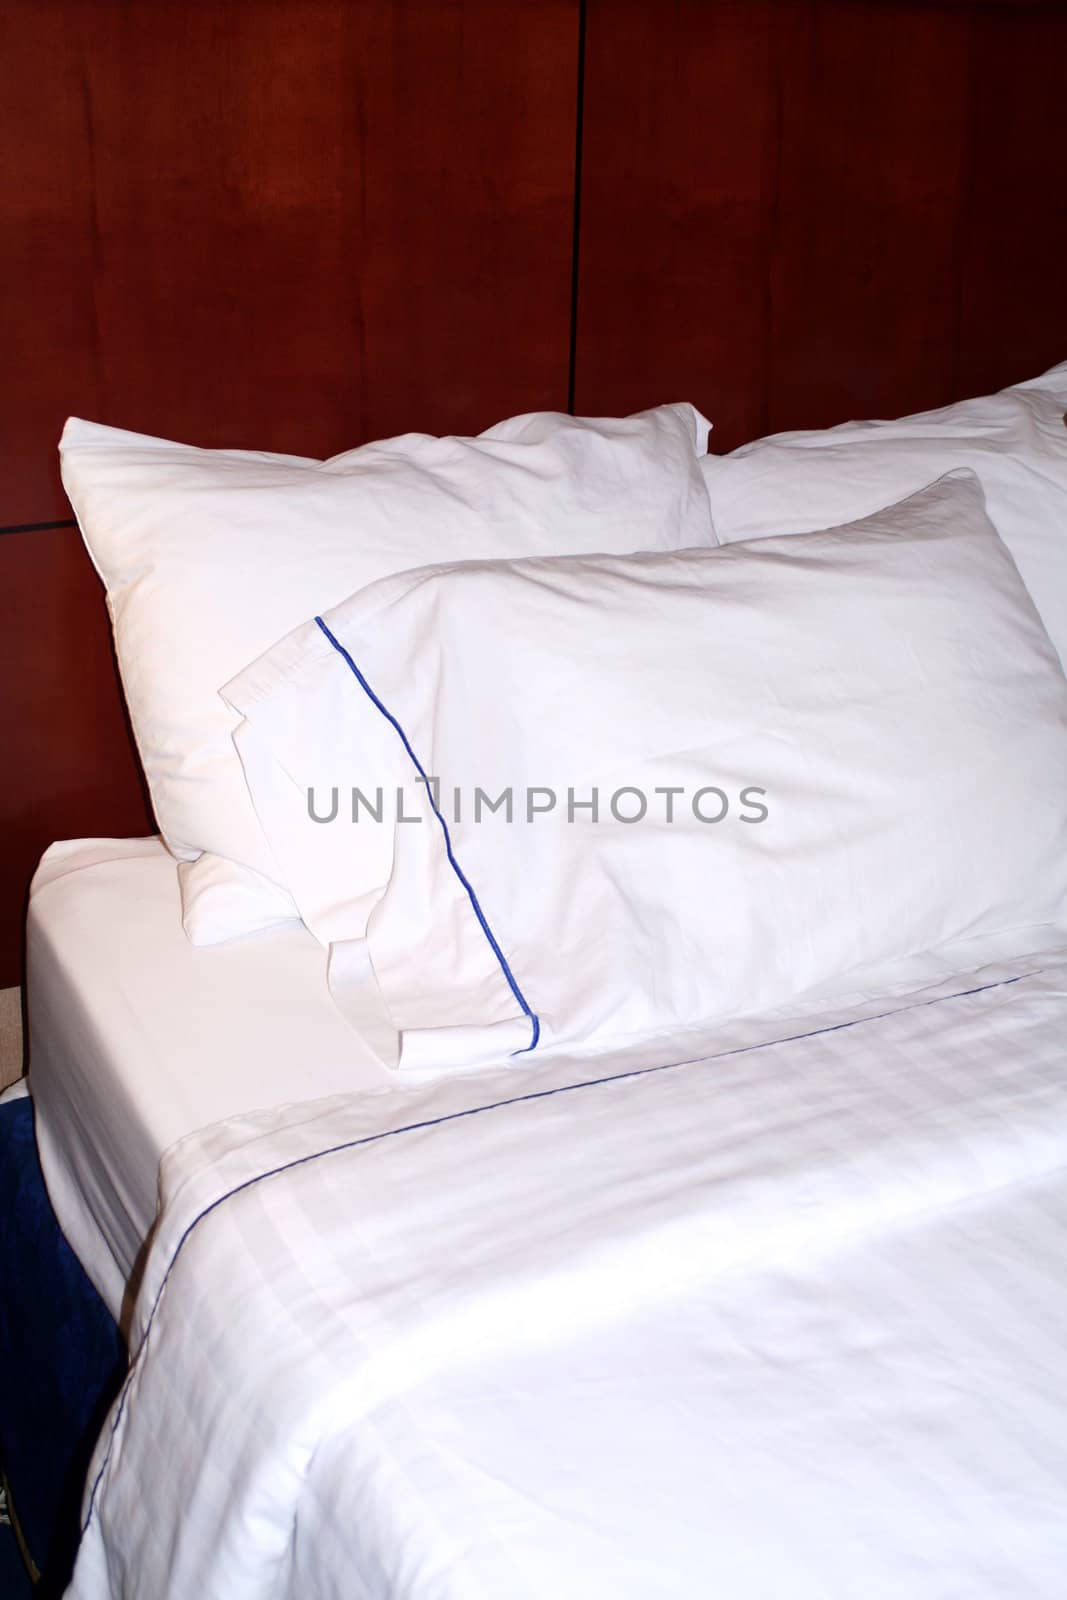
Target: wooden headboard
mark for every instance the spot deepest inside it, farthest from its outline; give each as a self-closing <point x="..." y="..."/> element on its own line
<point x="298" y="224"/>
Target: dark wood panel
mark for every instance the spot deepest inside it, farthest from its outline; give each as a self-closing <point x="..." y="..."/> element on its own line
<point x="69" y="766"/>
<point x="1013" y="236"/>
<point x="863" y="263"/>
<point x="799" y="211"/>
<point x="292" y="224"/>
<point x="48" y="240"/>
<point x="679" y="167"/>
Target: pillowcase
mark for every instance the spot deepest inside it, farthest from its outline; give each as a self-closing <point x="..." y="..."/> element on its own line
<point x="209" y="556"/>
<point x="1016" y="442"/>
<point x="806" y="755"/>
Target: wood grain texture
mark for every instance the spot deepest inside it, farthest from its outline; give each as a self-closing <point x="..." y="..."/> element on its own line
<point x="69" y="766"/>
<point x="1013" y="224"/>
<point x="679" y="162"/>
<point x="799" y="211"/>
<point x="284" y="224"/>
<point x="280" y="224"/>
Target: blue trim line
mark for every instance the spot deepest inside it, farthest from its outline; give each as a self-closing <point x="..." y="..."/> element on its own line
<point x="535" y="1024"/>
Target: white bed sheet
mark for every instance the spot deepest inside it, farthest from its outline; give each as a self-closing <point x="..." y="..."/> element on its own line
<point x="137" y="1038"/>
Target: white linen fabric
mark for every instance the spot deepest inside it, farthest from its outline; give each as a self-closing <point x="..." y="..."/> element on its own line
<point x="784" y="1320"/>
<point x="864" y="731"/>
<point x="209" y="556"/>
<point x="137" y="1039"/>
<point x="1016" y="441"/>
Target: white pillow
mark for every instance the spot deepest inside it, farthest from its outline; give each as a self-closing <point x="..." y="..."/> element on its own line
<point x="1016" y="442"/>
<point x="208" y="556"/>
<point x="879" y="706"/>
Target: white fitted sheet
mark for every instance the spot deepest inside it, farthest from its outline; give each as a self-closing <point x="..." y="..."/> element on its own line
<point x="137" y="1038"/>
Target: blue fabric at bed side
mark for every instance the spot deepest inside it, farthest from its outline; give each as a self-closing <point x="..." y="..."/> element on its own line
<point x="61" y="1355"/>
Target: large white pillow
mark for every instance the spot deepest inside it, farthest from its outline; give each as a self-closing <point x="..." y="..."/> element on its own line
<point x="209" y="556"/>
<point x="1016" y="442"/>
<point x="865" y="731"/>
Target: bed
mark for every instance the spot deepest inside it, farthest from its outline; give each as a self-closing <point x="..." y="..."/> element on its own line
<point x="576" y="1195"/>
<point x="573" y="1103"/>
<point x="831" y="1309"/>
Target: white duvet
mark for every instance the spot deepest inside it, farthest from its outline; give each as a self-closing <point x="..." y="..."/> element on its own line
<point x="785" y="1321"/>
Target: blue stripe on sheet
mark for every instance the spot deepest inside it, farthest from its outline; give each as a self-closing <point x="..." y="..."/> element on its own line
<point x="499" y="1105"/>
<point x="535" y="1024"/>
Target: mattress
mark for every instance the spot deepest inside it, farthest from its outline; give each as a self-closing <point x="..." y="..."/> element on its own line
<point x="137" y="1039"/>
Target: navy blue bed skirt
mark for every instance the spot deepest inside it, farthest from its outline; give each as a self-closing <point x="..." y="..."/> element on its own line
<point x="62" y="1358"/>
